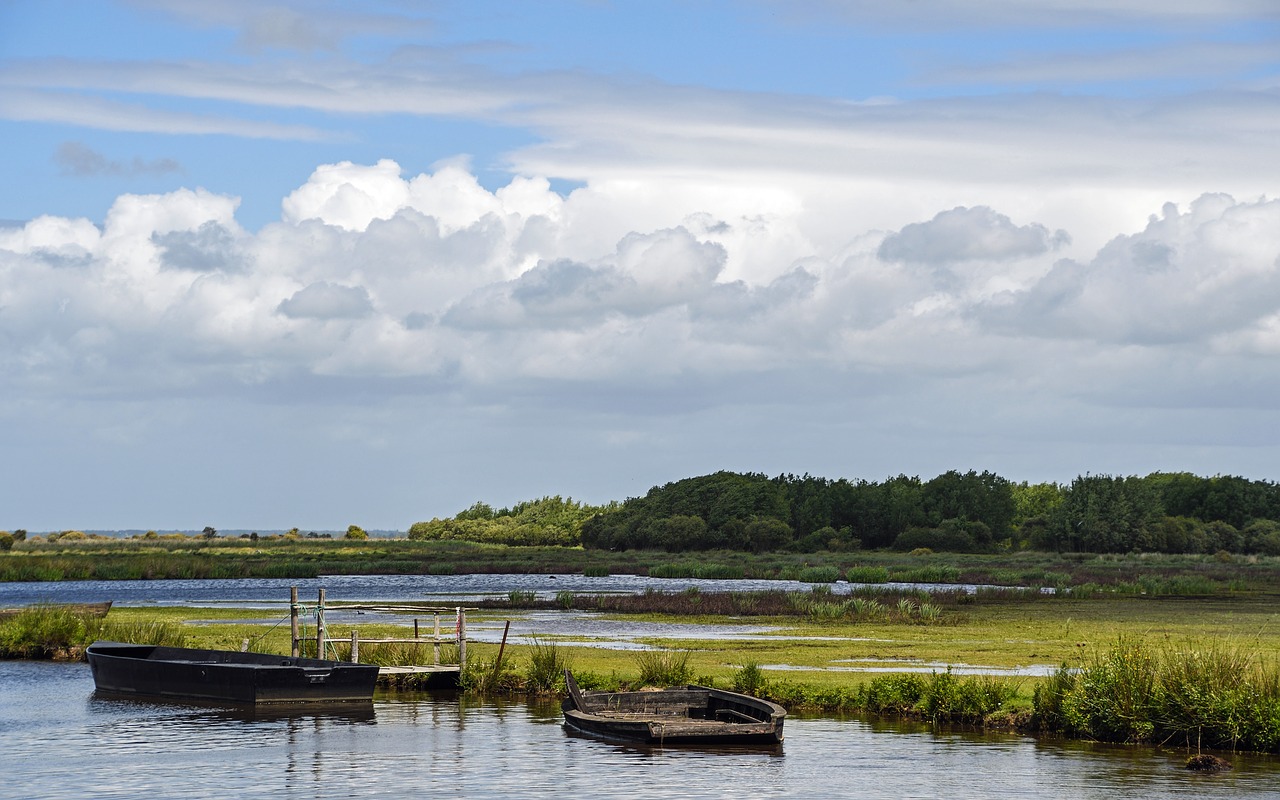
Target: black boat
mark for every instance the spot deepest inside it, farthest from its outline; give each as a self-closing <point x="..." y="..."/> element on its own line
<point x="692" y="715"/>
<point x="184" y="674"/>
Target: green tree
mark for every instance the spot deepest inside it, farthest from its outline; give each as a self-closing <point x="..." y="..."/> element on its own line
<point x="1106" y="514"/>
<point x="767" y="534"/>
<point x="356" y="532"/>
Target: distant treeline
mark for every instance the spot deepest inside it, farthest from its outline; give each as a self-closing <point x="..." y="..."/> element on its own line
<point x="954" y="512"/>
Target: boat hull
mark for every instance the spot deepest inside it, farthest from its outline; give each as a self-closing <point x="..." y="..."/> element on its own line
<point x="693" y="715"/>
<point x="179" y="673"/>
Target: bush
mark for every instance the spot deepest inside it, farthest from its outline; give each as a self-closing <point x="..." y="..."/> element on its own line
<point x="749" y="678"/>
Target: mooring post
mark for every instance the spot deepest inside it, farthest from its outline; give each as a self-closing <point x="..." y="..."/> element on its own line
<point x="461" y="628"/>
<point x="293" y="619"/>
<point x="436" y="641"/>
<point x="320" y="626"/>
<point x="497" y="665"/>
<point x="355" y="646"/>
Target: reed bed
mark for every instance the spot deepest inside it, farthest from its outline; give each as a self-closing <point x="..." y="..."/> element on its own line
<point x="63" y="632"/>
<point x="104" y="558"/>
<point x="1212" y="695"/>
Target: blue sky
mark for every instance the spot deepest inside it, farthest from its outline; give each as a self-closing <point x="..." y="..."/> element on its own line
<point x="314" y="264"/>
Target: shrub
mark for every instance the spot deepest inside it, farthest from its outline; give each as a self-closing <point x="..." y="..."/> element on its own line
<point x="749" y="678"/>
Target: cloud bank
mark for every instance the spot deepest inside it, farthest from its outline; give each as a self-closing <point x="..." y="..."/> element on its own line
<point x="436" y="279"/>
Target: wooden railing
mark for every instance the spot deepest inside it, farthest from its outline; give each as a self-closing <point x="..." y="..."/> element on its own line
<point x="458" y="637"/>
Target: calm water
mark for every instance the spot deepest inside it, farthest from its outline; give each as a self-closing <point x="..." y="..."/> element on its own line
<point x="272" y="592"/>
<point x="57" y="740"/>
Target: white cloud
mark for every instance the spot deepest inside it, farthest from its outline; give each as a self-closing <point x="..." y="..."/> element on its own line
<point x="966" y="234"/>
<point x="324" y="300"/>
<point x="1189" y="277"/>
<point x="498" y="306"/>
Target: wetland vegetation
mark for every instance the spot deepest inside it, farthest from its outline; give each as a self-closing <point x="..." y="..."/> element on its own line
<point x="1147" y="606"/>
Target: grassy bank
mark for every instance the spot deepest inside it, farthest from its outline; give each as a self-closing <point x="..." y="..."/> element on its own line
<point x="190" y="557"/>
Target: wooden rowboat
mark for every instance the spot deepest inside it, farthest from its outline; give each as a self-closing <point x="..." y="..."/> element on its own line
<point x="692" y="715"/>
<point x="226" y="676"/>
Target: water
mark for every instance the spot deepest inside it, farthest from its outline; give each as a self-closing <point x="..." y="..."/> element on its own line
<point x="274" y="592"/>
<point x="591" y="630"/>
<point x="58" y="740"/>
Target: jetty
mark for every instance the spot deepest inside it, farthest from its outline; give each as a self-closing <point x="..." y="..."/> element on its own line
<point x="434" y="675"/>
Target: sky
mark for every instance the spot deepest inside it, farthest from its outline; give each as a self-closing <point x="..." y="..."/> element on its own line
<point x="271" y="264"/>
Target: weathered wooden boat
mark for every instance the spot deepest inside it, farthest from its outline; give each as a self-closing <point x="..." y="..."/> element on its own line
<point x="692" y="715"/>
<point x="226" y="676"/>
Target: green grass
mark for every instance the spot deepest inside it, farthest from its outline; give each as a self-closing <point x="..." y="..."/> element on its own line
<point x="112" y="559"/>
<point x="1212" y="695"/>
<point x="663" y="667"/>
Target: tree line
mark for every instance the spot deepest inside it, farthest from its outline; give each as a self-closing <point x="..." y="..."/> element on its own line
<point x="953" y="512"/>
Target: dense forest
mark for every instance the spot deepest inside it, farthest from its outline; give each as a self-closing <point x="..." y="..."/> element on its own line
<point x="968" y="512"/>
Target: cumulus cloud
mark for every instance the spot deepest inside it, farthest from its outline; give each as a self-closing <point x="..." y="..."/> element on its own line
<point x="1193" y="276"/>
<point x="324" y="300"/>
<point x="967" y="234"/>
<point x="209" y="248"/>
<point x="432" y="278"/>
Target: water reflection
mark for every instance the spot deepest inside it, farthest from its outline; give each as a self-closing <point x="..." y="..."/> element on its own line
<point x="408" y="744"/>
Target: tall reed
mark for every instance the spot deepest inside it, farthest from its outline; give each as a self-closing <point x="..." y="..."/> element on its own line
<point x="1211" y="695"/>
<point x="664" y="667"/>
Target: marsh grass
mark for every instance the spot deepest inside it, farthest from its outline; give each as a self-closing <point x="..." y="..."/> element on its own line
<point x="1211" y="695"/>
<point x="547" y="665"/>
<point x="46" y="631"/>
<point x="164" y="634"/>
<point x="695" y="569"/>
<point x="821" y="574"/>
<point x="114" y="558"/>
<point x="485" y="676"/>
<point x="861" y="574"/>
<point x="663" y="667"/>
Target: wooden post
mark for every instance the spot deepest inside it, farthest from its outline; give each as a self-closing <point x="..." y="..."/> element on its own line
<point x="355" y="646"/>
<point x="293" y="620"/>
<point x="436" y="641"/>
<point x="461" y="628"/>
<point x="497" y="665"/>
<point x="320" y="626"/>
